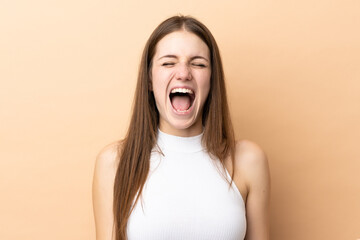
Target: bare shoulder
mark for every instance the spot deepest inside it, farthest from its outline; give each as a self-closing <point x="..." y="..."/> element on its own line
<point x="253" y="168"/>
<point x="108" y="156"/>
<point x="102" y="189"/>
<point x="250" y="153"/>
<point x="251" y="162"/>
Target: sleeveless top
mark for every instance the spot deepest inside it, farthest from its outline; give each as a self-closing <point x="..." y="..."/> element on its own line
<point x="186" y="197"/>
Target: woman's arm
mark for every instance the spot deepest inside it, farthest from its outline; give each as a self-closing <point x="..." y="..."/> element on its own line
<point x="255" y="170"/>
<point x="102" y="191"/>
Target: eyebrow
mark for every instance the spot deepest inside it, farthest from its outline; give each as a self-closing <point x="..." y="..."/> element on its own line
<point x="174" y="56"/>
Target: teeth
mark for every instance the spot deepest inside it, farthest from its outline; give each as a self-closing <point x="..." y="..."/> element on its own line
<point x="182" y="111"/>
<point x="182" y="90"/>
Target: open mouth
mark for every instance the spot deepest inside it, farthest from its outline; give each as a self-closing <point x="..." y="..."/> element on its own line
<point x="182" y="99"/>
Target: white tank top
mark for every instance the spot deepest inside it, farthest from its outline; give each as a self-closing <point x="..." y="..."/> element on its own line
<point x="185" y="196"/>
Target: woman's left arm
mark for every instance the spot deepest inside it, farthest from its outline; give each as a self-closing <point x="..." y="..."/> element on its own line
<point x="257" y="178"/>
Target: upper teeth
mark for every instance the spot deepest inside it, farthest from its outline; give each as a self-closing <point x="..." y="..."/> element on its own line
<point x="181" y="90"/>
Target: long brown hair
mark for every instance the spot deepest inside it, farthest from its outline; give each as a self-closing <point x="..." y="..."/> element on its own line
<point x="135" y="149"/>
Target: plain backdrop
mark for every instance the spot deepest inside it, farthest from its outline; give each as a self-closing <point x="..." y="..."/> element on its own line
<point x="68" y="71"/>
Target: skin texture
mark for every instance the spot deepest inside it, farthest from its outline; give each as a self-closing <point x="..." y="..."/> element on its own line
<point x="251" y="177"/>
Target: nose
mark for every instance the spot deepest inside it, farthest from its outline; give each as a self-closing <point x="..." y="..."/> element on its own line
<point x="183" y="72"/>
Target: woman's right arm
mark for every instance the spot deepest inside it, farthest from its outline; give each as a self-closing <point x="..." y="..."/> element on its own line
<point x="102" y="191"/>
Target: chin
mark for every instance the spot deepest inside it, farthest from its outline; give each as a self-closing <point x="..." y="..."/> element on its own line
<point x="182" y="124"/>
<point x="179" y="124"/>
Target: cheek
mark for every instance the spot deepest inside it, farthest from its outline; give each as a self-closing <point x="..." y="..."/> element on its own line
<point x="161" y="77"/>
<point x="159" y="84"/>
<point x="204" y="82"/>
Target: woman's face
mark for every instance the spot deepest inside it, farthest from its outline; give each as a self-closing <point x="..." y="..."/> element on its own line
<point x="180" y="78"/>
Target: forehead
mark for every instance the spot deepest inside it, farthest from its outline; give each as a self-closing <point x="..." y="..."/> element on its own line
<point x="182" y="43"/>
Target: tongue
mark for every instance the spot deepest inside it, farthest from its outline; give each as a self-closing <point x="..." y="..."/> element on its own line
<point x="181" y="102"/>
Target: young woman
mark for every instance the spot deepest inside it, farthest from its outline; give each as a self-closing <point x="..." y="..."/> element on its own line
<point x="170" y="177"/>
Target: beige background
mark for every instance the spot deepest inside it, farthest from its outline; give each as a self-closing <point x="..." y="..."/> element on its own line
<point x="68" y="71"/>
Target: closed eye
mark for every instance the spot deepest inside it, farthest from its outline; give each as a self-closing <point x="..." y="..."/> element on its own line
<point x="168" y="64"/>
<point x="199" y="65"/>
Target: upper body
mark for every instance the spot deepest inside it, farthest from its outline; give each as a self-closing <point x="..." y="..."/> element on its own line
<point x="251" y="178"/>
<point x="186" y="195"/>
<point x="181" y="92"/>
